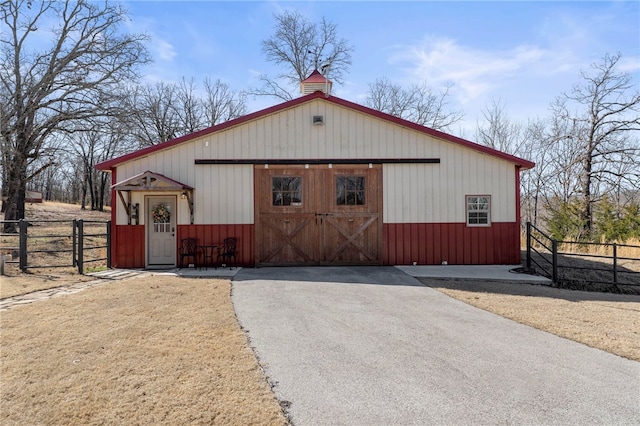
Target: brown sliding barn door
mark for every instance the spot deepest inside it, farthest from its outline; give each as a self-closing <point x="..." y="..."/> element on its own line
<point x="286" y="231"/>
<point x="318" y="215"/>
<point x="350" y="215"/>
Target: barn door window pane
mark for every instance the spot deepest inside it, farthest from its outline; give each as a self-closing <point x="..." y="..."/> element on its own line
<point x="350" y="190"/>
<point x="478" y="210"/>
<point x="286" y="190"/>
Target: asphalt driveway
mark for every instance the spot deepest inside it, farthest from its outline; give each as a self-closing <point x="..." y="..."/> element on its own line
<point x="372" y="346"/>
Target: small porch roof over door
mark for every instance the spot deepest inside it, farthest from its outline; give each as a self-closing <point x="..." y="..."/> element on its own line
<point x="150" y="181"/>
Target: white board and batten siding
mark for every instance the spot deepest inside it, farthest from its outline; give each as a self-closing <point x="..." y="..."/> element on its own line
<point x="412" y="192"/>
<point x="223" y="194"/>
<point x="436" y="193"/>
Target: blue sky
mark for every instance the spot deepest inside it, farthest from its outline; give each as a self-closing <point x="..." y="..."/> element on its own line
<point x="521" y="53"/>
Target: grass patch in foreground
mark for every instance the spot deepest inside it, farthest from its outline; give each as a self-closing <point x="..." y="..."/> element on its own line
<point x="610" y="322"/>
<point x="143" y="351"/>
<point x="38" y="279"/>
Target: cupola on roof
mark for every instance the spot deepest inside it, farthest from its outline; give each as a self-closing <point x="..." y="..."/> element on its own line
<point x="316" y="82"/>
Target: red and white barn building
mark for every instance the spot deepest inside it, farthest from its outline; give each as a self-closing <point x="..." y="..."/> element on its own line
<point x="318" y="181"/>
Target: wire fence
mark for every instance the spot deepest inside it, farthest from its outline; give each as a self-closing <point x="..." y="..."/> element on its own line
<point x="56" y="244"/>
<point x="584" y="265"/>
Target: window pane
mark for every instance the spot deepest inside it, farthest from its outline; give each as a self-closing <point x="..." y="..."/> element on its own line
<point x="478" y="210"/>
<point x="286" y="190"/>
<point x="350" y="190"/>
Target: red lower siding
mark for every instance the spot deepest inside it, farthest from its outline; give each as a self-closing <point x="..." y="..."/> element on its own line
<point x="456" y="243"/>
<point x="404" y="243"/>
<point x="212" y="234"/>
<point x="128" y="249"/>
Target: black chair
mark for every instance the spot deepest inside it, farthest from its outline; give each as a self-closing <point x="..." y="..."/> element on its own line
<point x="227" y="252"/>
<point x="189" y="248"/>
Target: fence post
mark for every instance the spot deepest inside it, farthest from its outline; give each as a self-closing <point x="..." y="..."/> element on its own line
<point x="80" y="224"/>
<point x="22" y="224"/>
<point x="615" y="264"/>
<point x="108" y="244"/>
<point x="554" y="260"/>
<point x="528" y="246"/>
<point x="74" y="237"/>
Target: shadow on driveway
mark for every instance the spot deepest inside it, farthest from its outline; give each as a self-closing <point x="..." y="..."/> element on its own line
<point x="382" y="275"/>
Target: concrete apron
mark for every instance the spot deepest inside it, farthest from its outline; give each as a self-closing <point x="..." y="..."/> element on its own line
<point x="475" y="272"/>
<point x="372" y="346"/>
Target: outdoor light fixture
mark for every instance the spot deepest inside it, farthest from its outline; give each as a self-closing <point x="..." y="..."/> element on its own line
<point x="183" y="196"/>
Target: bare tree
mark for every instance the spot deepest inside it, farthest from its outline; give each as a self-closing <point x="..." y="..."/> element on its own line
<point x="533" y="181"/>
<point x="418" y="103"/>
<point x="104" y="140"/>
<point x="189" y="109"/>
<point x="154" y="113"/>
<point x="604" y="110"/>
<point x="6" y="147"/>
<point x="44" y="89"/>
<point x="623" y="183"/>
<point x="165" y="111"/>
<point x="300" y="46"/>
<point x="498" y="131"/>
<point x="221" y="103"/>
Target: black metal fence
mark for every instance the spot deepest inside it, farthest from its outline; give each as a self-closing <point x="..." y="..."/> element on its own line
<point x="57" y="243"/>
<point x="583" y="265"/>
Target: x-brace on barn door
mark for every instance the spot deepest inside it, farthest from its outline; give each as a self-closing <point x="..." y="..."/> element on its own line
<point x="318" y="214"/>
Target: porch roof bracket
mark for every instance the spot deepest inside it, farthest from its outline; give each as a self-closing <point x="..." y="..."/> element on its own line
<point x="188" y="193"/>
<point x="126" y="204"/>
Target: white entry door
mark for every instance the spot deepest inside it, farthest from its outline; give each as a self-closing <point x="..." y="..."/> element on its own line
<point x="161" y="231"/>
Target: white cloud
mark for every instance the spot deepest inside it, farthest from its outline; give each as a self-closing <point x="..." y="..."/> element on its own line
<point x="474" y="72"/>
<point x="162" y="49"/>
<point x="159" y="47"/>
<point x="630" y="65"/>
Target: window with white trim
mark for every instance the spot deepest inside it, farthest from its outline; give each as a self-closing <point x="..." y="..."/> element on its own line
<point x="478" y="210"/>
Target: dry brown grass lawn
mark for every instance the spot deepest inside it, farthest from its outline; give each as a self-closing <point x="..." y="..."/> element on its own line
<point x="143" y="351"/>
<point x="53" y="210"/>
<point x="610" y="322"/>
<point x="17" y="284"/>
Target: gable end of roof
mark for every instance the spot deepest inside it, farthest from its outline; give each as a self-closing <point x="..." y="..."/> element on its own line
<point x="519" y="162"/>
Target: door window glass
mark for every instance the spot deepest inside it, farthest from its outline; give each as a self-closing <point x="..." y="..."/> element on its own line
<point x="161" y="215"/>
<point x="350" y="190"/>
<point x="286" y="190"/>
